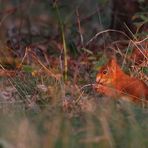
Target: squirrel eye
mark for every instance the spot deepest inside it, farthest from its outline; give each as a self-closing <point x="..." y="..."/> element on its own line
<point x="104" y="72"/>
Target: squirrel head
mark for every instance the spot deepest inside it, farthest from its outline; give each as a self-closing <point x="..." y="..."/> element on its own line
<point x="107" y="74"/>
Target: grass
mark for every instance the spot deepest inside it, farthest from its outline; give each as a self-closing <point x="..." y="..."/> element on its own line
<point x="50" y="101"/>
<point x="39" y="109"/>
<point x="57" y="114"/>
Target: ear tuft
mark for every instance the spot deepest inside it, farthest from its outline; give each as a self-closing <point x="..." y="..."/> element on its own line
<point x="112" y="62"/>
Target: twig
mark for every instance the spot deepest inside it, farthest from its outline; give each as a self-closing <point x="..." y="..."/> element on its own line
<point x="109" y="30"/>
<point x="86" y="86"/>
<point x="79" y="27"/>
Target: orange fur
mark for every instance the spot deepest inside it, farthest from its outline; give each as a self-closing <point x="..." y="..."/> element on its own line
<point x="113" y="82"/>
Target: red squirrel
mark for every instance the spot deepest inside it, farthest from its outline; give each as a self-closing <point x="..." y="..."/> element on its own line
<point x="113" y="82"/>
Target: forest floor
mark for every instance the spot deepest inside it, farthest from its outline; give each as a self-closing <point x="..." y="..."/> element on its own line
<point x="46" y="78"/>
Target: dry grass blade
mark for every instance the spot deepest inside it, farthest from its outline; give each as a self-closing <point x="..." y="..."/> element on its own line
<point x="6" y="73"/>
<point x="49" y="72"/>
<point x="105" y="31"/>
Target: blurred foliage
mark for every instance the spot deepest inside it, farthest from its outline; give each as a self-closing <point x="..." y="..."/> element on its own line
<point x="38" y="110"/>
<point x="145" y="70"/>
<point x="40" y="17"/>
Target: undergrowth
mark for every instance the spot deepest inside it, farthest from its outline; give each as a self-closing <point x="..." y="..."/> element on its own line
<point x="48" y="65"/>
<point x="43" y="112"/>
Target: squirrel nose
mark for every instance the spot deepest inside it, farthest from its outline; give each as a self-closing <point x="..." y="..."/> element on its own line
<point x="98" y="79"/>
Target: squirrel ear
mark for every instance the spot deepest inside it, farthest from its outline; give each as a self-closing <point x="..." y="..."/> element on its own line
<point x="113" y="61"/>
<point x="113" y="64"/>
